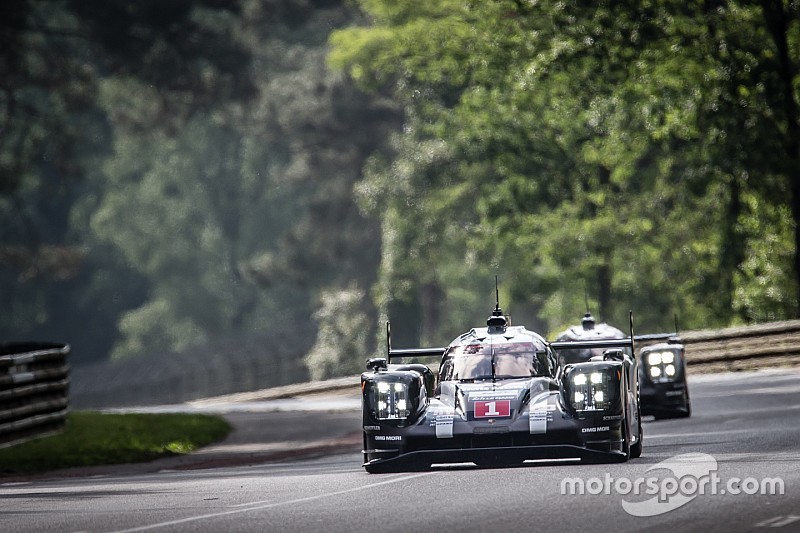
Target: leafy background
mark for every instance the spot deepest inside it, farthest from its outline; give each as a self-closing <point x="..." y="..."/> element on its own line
<point x="202" y="173"/>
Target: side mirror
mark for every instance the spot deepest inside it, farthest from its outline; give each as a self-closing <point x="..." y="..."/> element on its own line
<point x="376" y="364"/>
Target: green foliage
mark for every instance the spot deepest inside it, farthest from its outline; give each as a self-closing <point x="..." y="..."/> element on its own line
<point x="764" y="288"/>
<point x="581" y="147"/>
<point x="219" y="200"/>
<point x="59" y="126"/>
<point x="180" y="173"/>
<point x="344" y="336"/>
<point x="92" y="439"/>
<point x="155" y="324"/>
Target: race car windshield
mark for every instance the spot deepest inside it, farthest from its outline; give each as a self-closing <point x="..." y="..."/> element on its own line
<point x="476" y="362"/>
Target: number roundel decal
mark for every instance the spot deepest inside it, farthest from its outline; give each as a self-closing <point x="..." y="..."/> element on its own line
<point x="492" y="409"/>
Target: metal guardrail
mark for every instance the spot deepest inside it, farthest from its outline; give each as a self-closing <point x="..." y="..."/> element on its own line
<point x="743" y="348"/>
<point x="34" y="383"/>
<point x="263" y="368"/>
<point x="722" y="350"/>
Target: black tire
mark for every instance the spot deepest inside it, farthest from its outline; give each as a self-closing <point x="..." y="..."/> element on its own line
<point x="632" y="451"/>
<point x="686" y="413"/>
<point x="688" y="406"/>
<point x="636" y="449"/>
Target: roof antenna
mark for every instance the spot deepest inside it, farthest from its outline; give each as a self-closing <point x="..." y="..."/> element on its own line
<point x="497" y="322"/>
<point x="588" y="320"/>
<point x="497" y="311"/>
<point x="586" y="297"/>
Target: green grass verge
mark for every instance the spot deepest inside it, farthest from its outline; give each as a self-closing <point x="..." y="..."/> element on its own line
<point x="92" y="438"/>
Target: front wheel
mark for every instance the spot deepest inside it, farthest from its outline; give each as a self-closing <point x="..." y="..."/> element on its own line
<point x="636" y="449"/>
<point x="688" y="411"/>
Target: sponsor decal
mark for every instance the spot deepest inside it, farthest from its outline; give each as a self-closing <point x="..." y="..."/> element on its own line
<point x="495" y="395"/>
<point x="441" y="418"/>
<point x="540" y="414"/>
<point x="388" y="437"/>
<point x="444" y="426"/>
<point x="511" y="388"/>
<point x="490" y="430"/>
<point x="372" y="428"/>
<point x="492" y="409"/>
<point x="444" y="413"/>
<point x="599" y="429"/>
<point x="612" y="417"/>
<point x="477" y="388"/>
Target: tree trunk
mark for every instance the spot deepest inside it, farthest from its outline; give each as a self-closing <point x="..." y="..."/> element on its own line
<point x="733" y="248"/>
<point x="430" y="301"/>
<point x="777" y="22"/>
<point x="604" y="289"/>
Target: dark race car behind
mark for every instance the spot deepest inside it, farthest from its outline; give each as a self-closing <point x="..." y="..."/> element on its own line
<point x="662" y="368"/>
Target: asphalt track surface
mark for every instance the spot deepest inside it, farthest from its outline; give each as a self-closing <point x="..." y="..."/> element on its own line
<point x="742" y="440"/>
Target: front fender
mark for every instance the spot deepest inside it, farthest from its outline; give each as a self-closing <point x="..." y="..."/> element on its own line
<point x="586" y="388"/>
<point x="396" y="396"/>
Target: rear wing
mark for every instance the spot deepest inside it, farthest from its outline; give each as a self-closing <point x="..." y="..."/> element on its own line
<point x="626" y="342"/>
<point x="408" y="352"/>
<point x="655" y="337"/>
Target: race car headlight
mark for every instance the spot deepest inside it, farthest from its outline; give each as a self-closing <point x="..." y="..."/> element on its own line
<point x="391" y="401"/>
<point x="590" y="391"/>
<point x="599" y="396"/>
<point x="662" y="365"/>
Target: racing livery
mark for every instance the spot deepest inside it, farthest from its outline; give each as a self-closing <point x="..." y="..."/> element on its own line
<point x="500" y="397"/>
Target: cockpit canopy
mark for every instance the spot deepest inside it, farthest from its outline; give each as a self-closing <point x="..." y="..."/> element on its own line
<point x="496" y="357"/>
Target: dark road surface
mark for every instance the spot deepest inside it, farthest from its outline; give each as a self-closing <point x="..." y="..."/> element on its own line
<point x="733" y="466"/>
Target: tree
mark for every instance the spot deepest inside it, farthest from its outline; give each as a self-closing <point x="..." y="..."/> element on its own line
<point x="52" y="135"/>
<point x="589" y="155"/>
<point x="244" y="219"/>
<point x="55" y="62"/>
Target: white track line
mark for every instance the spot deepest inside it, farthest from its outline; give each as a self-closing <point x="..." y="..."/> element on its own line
<point x="268" y="505"/>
